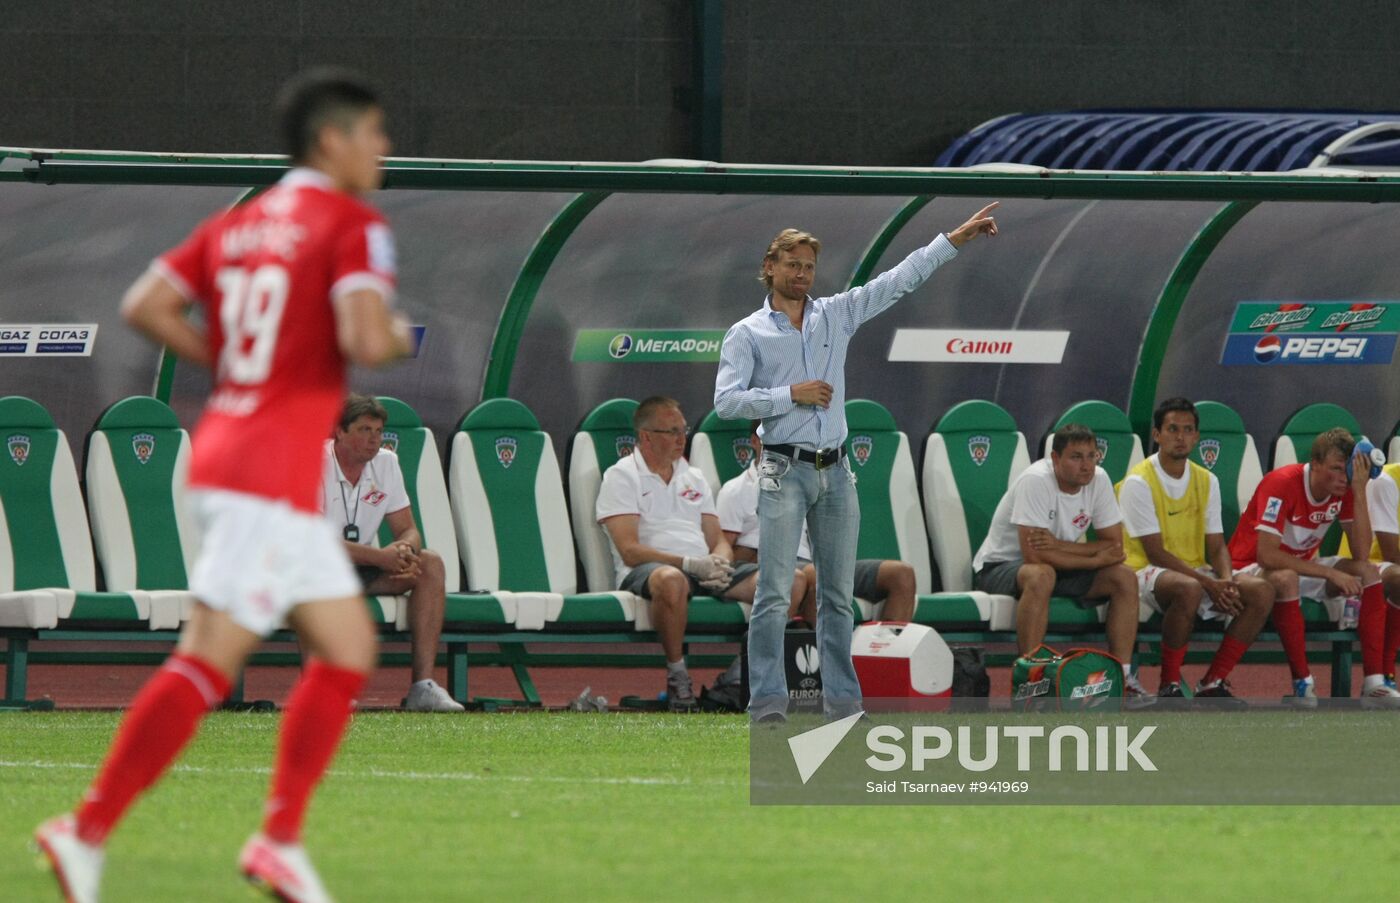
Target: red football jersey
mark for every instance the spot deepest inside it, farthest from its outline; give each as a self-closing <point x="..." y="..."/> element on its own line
<point x="266" y="273"/>
<point x="1282" y="505"/>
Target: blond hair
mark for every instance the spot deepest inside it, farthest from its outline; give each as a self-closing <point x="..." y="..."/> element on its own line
<point x="786" y="240"/>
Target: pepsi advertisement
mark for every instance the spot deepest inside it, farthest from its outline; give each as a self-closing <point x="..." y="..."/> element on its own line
<point x="1271" y="333"/>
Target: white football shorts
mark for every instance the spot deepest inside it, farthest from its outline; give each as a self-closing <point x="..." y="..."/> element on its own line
<point x="260" y="558"/>
<point x="1147" y="582"/>
<point x="1308" y="587"/>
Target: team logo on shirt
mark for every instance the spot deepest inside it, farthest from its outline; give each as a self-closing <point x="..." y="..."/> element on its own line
<point x="144" y="445"/>
<point x="625" y="444"/>
<point x="1326" y="517"/>
<point x="505" y="450"/>
<point x="374" y="497"/>
<point x="389" y="441"/>
<point x="979" y="447"/>
<point x="743" y="452"/>
<point x="1081" y="520"/>
<point x="1210" y="452"/>
<point x="691" y="494"/>
<point x="860" y="448"/>
<point x="19" y="449"/>
<point x="1272" y="508"/>
<point x="1102" y="443"/>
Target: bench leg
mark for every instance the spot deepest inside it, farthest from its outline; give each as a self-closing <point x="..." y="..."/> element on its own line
<point x="457" y="672"/>
<point x="1341" y="669"/>
<point x="17" y="678"/>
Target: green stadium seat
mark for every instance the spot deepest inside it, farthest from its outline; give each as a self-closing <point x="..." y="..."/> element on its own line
<point x="721" y="449"/>
<point x="604" y="436"/>
<point x="1119" y="447"/>
<point x="969" y="459"/>
<point x="47" y="573"/>
<point x="513" y="525"/>
<point x="1294" y="446"/>
<point x="1294" y="442"/>
<point x="892" y="520"/>
<point x="1227" y="451"/>
<point x="416" y="448"/>
<point x="137" y="461"/>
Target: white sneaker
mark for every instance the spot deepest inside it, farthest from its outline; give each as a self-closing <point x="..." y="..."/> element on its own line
<point x="76" y="865"/>
<point x="1379" y="693"/>
<point x="1304" y="697"/>
<point x="1134" y="695"/>
<point x="428" y="696"/>
<point x="281" y="870"/>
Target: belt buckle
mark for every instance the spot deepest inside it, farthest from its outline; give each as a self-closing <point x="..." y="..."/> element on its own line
<point x="823" y="461"/>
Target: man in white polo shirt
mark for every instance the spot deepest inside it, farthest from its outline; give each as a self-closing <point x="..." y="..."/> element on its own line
<point x="362" y="486"/>
<point x="1035" y="548"/>
<point x="666" y="540"/>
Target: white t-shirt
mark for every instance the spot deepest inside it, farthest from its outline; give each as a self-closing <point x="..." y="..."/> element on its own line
<point x="1035" y="500"/>
<point x="670" y="513"/>
<point x="379" y="493"/>
<point x="1383" y="504"/>
<point x="738" y="511"/>
<point x="1139" y="512"/>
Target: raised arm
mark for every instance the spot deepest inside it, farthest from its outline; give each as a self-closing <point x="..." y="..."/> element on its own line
<point x="866" y="301"/>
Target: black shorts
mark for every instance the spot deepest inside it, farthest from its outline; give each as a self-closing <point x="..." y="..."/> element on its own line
<point x="999" y="578"/>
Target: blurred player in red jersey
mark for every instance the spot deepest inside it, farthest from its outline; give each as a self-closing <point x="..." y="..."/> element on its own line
<point x="1277" y="539"/>
<point x="293" y="284"/>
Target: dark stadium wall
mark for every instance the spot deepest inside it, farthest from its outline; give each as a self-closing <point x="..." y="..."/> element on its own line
<point x="881" y="82"/>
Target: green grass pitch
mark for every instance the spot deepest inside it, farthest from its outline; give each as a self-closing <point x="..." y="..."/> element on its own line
<point x="648" y="807"/>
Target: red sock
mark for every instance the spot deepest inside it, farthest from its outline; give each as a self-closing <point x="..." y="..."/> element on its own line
<point x="1371" y="629"/>
<point x="1226" y="658"/>
<point x="1392" y="639"/>
<point x="316" y="717"/>
<point x="1288" y="621"/>
<point x="1171" y="663"/>
<point x="161" y="720"/>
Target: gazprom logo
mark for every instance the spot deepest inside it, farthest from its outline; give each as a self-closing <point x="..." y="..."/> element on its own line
<point x="620" y="346"/>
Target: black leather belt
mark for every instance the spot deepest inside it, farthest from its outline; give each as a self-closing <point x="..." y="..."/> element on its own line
<point x="823" y="458"/>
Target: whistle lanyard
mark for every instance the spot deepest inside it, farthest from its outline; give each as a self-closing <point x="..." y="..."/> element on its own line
<point x="344" y="505"/>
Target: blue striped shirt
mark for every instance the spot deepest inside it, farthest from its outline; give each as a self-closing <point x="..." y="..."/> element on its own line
<point x="763" y="355"/>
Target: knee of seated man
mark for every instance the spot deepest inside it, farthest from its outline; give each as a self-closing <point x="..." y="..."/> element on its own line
<point x="1038" y="576"/>
<point x="668" y="583"/>
<point x="1285" y="583"/>
<point x="1124" y="577"/>
<point x="431" y="567"/>
<point x="901" y="577"/>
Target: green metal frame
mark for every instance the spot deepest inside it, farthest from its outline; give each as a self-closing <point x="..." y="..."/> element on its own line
<point x="97" y="168"/>
<point x="511" y="326"/>
<point x="870" y="258"/>
<point x="1168" y="308"/>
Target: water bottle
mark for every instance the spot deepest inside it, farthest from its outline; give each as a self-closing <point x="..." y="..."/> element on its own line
<point x="1351" y="613"/>
<point x="1365" y="447"/>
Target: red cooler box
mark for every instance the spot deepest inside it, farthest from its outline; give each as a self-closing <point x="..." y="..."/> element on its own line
<point x="899" y="660"/>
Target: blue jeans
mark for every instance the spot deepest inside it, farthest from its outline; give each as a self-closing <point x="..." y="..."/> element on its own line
<point x="789" y="493"/>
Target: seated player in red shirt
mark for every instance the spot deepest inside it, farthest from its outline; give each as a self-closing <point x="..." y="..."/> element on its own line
<point x="1278" y="537"/>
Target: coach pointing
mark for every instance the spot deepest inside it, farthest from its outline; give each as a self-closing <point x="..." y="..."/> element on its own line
<point x="784" y="364"/>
